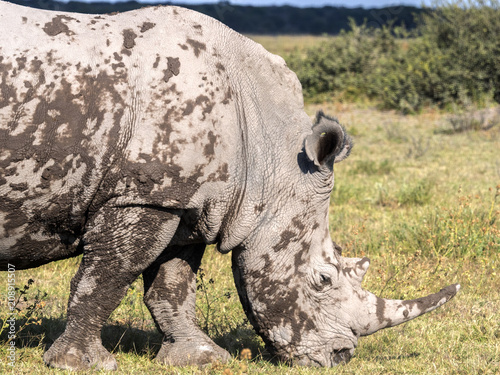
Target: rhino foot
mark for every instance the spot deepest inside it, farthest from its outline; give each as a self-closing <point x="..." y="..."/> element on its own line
<point x="79" y="356"/>
<point x="191" y="352"/>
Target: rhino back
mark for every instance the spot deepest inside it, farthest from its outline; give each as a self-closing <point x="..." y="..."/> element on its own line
<point x="146" y="107"/>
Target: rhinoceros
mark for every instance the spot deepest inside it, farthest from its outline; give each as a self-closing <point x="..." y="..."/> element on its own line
<point x="136" y="139"/>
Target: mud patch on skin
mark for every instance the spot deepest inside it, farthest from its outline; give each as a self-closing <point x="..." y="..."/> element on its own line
<point x="220" y="68"/>
<point x="202" y="101"/>
<point x="259" y="208"/>
<point x="380" y="312"/>
<point x="7" y="91"/>
<point x="222" y="174"/>
<point x="209" y="150"/>
<point x="157" y="62"/>
<point x="228" y="96"/>
<point x="173" y="68"/>
<point x="50" y="152"/>
<point x="285" y="238"/>
<point x="129" y="38"/>
<point x="147" y="26"/>
<point x="197" y="46"/>
<point x="57" y="26"/>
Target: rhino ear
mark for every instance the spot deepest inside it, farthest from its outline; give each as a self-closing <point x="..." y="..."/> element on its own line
<point x="328" y="142"/>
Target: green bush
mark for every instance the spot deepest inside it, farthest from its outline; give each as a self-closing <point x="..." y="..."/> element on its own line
<point x="452" y="58"/>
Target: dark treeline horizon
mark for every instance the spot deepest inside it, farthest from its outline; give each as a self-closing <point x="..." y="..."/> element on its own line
<point x="270" y="20"/>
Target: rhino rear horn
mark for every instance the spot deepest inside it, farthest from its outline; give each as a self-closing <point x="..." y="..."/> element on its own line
<point x="328" y="142"/>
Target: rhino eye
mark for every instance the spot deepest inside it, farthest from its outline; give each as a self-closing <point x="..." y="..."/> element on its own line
<point x="325" y="279"/>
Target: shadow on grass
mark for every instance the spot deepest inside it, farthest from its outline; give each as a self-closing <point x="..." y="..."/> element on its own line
<point x="240" y="338"/>
<point x="122" y="338"/>
<point x="115" y="338"/>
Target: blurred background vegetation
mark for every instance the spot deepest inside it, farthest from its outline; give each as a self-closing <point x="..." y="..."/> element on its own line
<point x="402" y="58"/>
<point x="263" y="20"/>
<point x="451" y="57"/>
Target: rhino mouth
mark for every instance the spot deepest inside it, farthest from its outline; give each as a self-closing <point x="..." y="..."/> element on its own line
<point x="337" y="357"/>
<point x="314" y="357"/>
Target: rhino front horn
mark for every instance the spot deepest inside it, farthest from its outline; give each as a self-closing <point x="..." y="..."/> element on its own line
<point x="385" y="313"/>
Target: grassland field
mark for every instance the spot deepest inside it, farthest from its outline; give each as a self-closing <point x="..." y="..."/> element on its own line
<point x="418" y="196"/>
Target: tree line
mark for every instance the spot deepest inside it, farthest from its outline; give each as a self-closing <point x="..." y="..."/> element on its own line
<point x="269" y="20"/>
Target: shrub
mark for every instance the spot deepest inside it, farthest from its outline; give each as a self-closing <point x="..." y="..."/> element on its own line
<point x="452" y="58"/>
<point x="468" y="34"/>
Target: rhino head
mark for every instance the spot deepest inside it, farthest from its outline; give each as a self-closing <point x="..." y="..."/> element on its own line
<point x="302" y="296"/>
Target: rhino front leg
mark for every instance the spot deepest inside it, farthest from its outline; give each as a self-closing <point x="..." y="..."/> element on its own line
<point x="119" y="245"/>
<point x="170" y="295"/>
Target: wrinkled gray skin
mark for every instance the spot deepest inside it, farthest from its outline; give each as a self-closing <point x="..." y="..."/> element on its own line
<point x="138" y="138"/>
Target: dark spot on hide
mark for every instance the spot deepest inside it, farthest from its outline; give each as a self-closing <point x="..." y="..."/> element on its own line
<point x="222" y="174"/>
<point x="227" y="97"/>
<point x="197" y="46"/>
<point x="35" y="66"/>
<point x="202" y="101"/>
<point x="147" y="26"/>
<point x="183" y="46"/>
<point x="299" y="255"/>
<point x="146" y="176"/>
<point x="298" y="224"/>
<point x="189" y="108"/>
<point x="220" y="68"/>
<point x="118" y="66"/>
<point x="24" y="19"/>
<point x="57" y="26"/>
<point x="205" y="103"/>
<point x="129" y="38"/>
<point x="285" y="238"/>
<point x="19" y="187"/>
<point x="157" y="62"/>
<point x="209" y="149"/>
<point x="425" y="303"/>
<point x="173" y="68"/>
<point x="15" y="217"/>
<point x="380" y="312"/>
<point x="7" y="91"/>
<point x="259" y="208"/>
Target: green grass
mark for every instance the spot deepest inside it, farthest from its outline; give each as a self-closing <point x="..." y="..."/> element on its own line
<point x="423" y="204"/>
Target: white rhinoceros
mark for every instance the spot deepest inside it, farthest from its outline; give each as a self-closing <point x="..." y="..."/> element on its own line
<point x="138" y="138"/>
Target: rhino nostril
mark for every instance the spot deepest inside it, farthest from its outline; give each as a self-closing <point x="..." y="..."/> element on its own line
<point x="341" y="356"/>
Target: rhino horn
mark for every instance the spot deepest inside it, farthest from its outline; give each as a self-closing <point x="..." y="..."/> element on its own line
<point x="384" y="313"/>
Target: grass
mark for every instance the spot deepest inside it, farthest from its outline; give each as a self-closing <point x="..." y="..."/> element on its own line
<point x="284" y="44"/>
<point x="422" y="203"/>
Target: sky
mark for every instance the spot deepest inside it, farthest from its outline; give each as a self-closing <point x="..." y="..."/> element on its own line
<point x="317" y="3"/>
